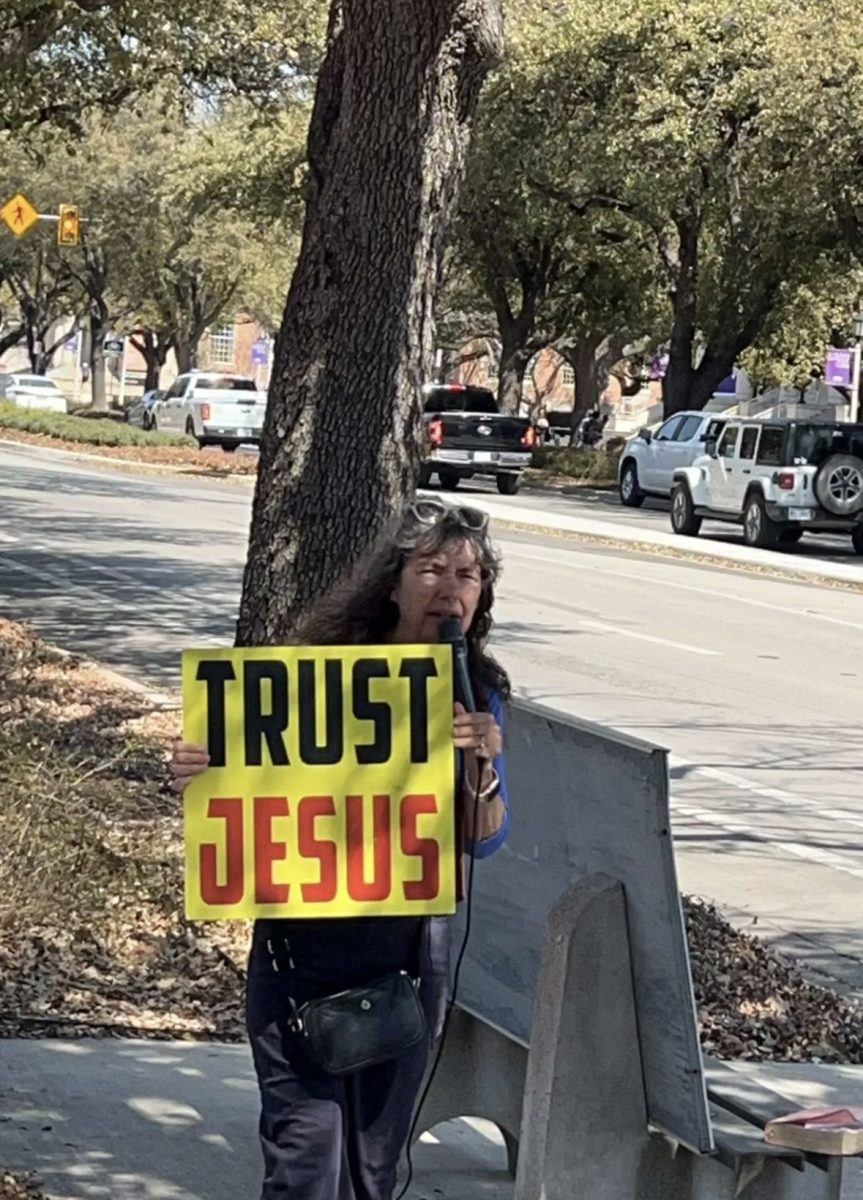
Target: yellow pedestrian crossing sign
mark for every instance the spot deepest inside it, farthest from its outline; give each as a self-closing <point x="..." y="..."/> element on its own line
<point x="19" y="214"/>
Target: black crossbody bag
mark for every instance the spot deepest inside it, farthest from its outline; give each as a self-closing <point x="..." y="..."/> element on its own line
<point x="360" y="1026"/>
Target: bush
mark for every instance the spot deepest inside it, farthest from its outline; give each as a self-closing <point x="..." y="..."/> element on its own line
<point x="81" y="429"/>
<point x="597" y="466"/>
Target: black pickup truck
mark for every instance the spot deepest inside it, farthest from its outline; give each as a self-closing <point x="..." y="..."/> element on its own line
<point x="466" y="435"/>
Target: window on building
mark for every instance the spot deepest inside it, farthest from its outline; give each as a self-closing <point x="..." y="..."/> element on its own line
<point x="567" y="374"/>
<point x="222" y="345"/>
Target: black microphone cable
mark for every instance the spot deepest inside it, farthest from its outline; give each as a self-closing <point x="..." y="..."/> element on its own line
<point x="451" y="1004"/>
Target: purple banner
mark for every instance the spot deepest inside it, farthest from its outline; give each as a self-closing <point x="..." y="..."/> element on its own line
<point x="260" y="352"/>
<point x="839" y="368"/>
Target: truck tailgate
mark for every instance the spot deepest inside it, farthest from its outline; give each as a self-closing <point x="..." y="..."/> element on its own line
<point x="483" y="431"/>
<point x="235" y="410"/>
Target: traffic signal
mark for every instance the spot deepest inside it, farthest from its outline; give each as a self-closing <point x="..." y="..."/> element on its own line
<point x="68" y="227"/>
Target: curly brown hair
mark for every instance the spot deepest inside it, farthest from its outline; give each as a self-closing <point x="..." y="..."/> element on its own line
<point x="361" y="611"/>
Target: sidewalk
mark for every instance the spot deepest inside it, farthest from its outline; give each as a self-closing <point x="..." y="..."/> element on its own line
<point x="139" y="1120"/>
<point x="683" y="547"/>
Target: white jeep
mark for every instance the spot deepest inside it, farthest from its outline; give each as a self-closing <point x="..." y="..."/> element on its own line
<point x="777" y="479"/>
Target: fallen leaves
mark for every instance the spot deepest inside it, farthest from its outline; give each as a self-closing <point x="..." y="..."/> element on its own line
<point x="92" y="937"/>
<point x="18" y="1187"/>
<point x="754" y="1004"/>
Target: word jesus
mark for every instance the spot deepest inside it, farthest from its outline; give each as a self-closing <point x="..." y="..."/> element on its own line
<point x="282" y="859"/>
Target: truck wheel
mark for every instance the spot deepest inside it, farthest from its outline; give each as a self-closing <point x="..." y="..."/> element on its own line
<point x="683" y="518"/>
<point x="758" y="530"/>
<point x="839" y="485"/>
<point x="449" y="480"/>
<point x="788" y="537"/>
<point x="508" y="485"/>
<point x="631" y="495"/>
<point x="228" y="447"/>
<point x="424" y="477"/>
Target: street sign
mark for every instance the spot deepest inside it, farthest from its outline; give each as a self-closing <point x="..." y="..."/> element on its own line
<point x="113" y="346"/>
<point x="260" y="352"/>
<point x="839" y="368"/>
<point x="19" y="214"/>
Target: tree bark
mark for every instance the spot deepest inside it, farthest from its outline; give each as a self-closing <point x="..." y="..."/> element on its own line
<point x="682" y="261"/>
<point x="591" y="359"/>
<point x="98" y="329"/>
<point x="514" y="360"/>
<point x="387" y="143"/>
<point x="153" y="346"/>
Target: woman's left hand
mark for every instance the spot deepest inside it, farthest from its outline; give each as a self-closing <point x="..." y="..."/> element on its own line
<point x="476" y="732"/>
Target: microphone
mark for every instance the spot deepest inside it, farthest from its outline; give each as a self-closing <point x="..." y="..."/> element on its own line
<point x="450" y="631"/>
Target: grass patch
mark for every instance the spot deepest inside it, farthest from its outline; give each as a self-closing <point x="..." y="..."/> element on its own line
<point x="66" y="427"/>
<point x="594" y="466"/>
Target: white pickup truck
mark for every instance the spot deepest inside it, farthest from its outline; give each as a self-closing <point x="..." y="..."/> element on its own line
<point x="222" y="410"/>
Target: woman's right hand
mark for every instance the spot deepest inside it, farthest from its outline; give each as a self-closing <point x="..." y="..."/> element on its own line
<point x="187" y="760"/>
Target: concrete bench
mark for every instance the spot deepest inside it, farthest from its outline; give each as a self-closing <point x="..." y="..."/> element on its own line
<point x="571" y="1104"/>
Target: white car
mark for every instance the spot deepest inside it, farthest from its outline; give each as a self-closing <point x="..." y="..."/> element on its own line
<point x="776" y="478"/>
<point x="32" y="391"/>
<point x="650" y="459"/>
<point x="216" y="409"/>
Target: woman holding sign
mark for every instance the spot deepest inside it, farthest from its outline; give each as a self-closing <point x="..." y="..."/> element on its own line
<point x="330" y="1131"/>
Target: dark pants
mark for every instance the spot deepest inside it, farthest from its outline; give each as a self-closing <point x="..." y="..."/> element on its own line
<point x="328" y="1138"/>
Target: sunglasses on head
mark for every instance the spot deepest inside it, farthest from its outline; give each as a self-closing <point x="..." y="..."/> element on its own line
<point x="431" y="511"/>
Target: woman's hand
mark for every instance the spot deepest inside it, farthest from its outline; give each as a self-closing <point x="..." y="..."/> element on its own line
<point x="479" y="737"/>
<point x="477" y="733"/>
<point x="187" y="760"/>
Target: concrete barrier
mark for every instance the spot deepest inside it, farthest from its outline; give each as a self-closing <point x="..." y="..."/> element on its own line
<point x="577" y="984"/>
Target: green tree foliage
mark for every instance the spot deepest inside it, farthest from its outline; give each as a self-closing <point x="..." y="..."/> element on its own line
<point x="60" y="59"/>
<point x="679" y="146"/>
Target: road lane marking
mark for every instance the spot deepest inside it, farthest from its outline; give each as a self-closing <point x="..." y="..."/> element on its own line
<point x="642" y="579"/>
<point x="719" y="820"/>
<point x="842" y="816"/>
<point x="619" y="631"/>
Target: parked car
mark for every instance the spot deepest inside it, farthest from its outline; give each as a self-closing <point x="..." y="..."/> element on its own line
<point x="217" y="409"/>
<point x="141" y="412"/>
<point x="466" y="434"/>
<point x="32" y="391"/>
<point x="649" y="459"/>
<point x="778" y="479"/>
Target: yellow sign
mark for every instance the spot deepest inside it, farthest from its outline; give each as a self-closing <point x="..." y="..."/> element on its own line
<point x="19" y="214"/>
<point x="330" y="790"/>
<point x="68" y="225"/>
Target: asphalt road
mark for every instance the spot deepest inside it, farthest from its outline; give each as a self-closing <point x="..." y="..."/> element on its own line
<point x="753" y="682"/>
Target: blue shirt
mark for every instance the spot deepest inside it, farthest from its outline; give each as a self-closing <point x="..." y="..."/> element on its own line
<point x="490" y="845"/>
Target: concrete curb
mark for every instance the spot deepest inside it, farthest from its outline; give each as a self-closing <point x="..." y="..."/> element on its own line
<point x="629" y="537"/>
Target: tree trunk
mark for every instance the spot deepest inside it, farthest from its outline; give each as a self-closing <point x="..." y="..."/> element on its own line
<point x="187" y="354"/>
<point x="98" y="329"/>
<point x="513" y="368"/>
<point x="584" y="360"/>
<point x="677" y="388"/>
<point x="153" y="347"/>
<point x="341" y="443"/>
